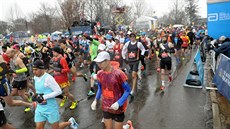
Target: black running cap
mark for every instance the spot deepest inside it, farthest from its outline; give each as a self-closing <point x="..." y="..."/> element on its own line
<point x="38" y="64"/>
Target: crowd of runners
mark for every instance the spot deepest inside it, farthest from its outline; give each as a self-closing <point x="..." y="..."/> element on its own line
<point x="42" y="71"/>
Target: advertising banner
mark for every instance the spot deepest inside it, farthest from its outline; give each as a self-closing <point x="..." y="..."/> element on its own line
<point x="200" y="67"/>
<point x="195" y="80"/>
<point x="219" y="19"/>
<point x="222" y="77"/>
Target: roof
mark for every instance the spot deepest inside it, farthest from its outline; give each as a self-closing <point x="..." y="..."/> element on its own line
<point x="146" y="18"/>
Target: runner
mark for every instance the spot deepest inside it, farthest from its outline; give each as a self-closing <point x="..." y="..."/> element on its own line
<point x="114" y="88"/>
<point x="165" y="62"/>
<point x="61" y="70"/>
<point x="46" y="91"/>
<point x="131" y="52"/>
<point x="18" y="70"/>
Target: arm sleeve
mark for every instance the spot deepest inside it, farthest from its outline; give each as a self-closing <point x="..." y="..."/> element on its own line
<point x="52" y="84"/>
<point x="22" y="70"/>
<point x="65" y="66"/>
<point x="124" y="50"/>
<point x="125" y="95"/>
<point x="99" y="91"/>
<point x="141" y="47"/>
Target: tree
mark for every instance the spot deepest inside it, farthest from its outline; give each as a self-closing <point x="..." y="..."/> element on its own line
<point x="176" y="15"/>
<point x="191" y="11"/>
<point x="69" y="11"/>
<point x="45" y="20"/>
<point x="139" y="7"/>
<point x="19" y="24"/>
<point x="47" y="13"/>
<point x="3" y="27"/>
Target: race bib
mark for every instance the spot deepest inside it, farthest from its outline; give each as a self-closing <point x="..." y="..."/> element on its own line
<point x="117" y="57"/>
<point x="108" y="94"/>
<point x="132" y="55"/>
<point x="164" y="55"/>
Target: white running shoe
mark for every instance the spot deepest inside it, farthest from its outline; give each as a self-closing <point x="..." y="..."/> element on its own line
<point x="74" y="124"/>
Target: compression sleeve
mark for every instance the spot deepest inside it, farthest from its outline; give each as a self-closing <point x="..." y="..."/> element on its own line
<point x="99" y="91"/>
<point x="125" y="95"/>
<point x="22" y="70"/>
<point x="52" y="84"/>
<point x="65" y="66"/>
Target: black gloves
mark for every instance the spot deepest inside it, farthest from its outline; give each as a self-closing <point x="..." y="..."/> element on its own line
<point x="39" y="98"/>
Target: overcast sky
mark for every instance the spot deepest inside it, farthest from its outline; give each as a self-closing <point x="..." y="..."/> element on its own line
<point x="25" y="7"/>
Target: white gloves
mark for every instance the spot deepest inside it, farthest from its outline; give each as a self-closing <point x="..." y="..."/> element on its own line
<point x="115" y="106"/>
<point x="93" y="105"/>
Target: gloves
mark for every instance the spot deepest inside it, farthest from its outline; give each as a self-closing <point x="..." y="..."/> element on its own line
<point x="39" y="98"/>
<point x="115" y="106"/>
<point x="93" y="105"/>
<point x="57" y="69"/>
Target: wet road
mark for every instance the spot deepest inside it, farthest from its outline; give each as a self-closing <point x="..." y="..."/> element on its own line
<point x="178" y="108"/>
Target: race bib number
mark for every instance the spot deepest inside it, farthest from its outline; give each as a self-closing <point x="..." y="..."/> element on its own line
<point x="117" y="57"/>
<point x="108" y="94"/>
<point x="164" y="55"/>
<point x="132" y="55"/>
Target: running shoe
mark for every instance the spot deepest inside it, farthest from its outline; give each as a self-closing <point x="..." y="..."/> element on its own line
<point x="27" y="109"/>
<point x="30" y="97"/>
<point x="73" y="124"/>
<point x="85" y="77"/>
<point x="73" y="105"/>
<point x="91" y="93"/>
<point x="63" y="101"/>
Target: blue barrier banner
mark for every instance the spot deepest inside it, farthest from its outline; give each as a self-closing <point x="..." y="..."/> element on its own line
<point x="222" y="77"/>
<point x="199" y="66"/>
<point x="80" y="30"/>
<point x="219" y="19"/>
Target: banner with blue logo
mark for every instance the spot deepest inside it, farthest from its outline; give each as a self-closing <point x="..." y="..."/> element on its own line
<point x="80" y="30"/>
<point x="195" y="77"/>
<point x="222" y="77"/>
<point x="199" y="65"/>
<point x="219" y="19"/>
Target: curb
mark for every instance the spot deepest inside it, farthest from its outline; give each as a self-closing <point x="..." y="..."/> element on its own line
<point x="215" y="111"/>
<point x="215" y="104"/>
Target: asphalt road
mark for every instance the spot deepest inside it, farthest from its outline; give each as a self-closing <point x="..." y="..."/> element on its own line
<point x="178" y="107"/>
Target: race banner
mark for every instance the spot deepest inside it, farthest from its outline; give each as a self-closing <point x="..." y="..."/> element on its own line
<point x="199" y="66"/>
<point x="222" y="77"/>
<point x="195" y="77"/>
